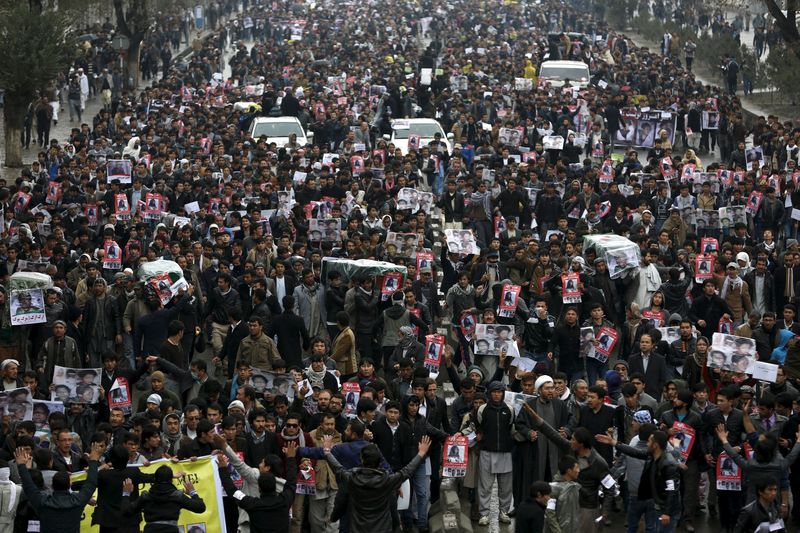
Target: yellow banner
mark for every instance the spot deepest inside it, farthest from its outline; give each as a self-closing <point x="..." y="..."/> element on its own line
<point x="205" y="478"/>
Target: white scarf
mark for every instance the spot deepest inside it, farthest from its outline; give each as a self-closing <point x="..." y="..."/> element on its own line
<point x="730" y="284"/>
<point x="12" y="498"/>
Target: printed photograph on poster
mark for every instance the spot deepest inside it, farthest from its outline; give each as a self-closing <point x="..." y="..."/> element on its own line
<point x="732" y="353"/>
<point x="455" y="456"/>
<point x="708" y="245"/>
<point x="112" y="256"/>
<point x="272" y="383"/>
<point x="324" y="230"/>
<point x="122" y="207"/>
<point x="119" y="169"/>
<point x="76" y="385"/>
<point x="392" y="281"/>
<point x="352" y="393"/>
<point x="753" y="203"/>
<point x="461" y="241"/>
<point x="405" y="243"/>
<point x="621" y="260"/>
<point x="570" y="288"/>
<point x="468" y="323"/>
<point x="710" y="120"/>
<point x="27" y="307"/>
<point x="425" y="202"/>
<point x="508" y="300"/>
<point x="704" y="267"/>
<point x="606" y="341"/>
<point x="515" y="400"/>
<point x="683" y="439"/>
<point x="492" y="339"/>
<point x="162" y="285"/>
<point x="754" y="158"/>
<point x="586" y="348"/>
<point x="434" y="349"/>
<point x="408" y="198"/>
<point x="645" y="133"/>
<point x="17" y="404"/>
<point x="729" y="475"/>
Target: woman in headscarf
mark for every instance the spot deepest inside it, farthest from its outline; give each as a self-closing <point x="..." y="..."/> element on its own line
<point x="693" y="366"/>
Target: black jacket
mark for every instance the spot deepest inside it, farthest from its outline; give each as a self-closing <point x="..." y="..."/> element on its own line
<point x="366" y="311"/>
<point x="269" y="513"/>
<point x="255" y="452"/>
<point x="395" y="447"/>
<point x="290" y="329"/>
<point x="664" y="479"/>
<point x="495" y="423"/>
<point x="656" y="375"/>
<point x="109" y="495"/>
<point x="163" y="502"/>
<point x="565" y="345"/>
<point x="755" y="514"/>
<point x="61" y="511"/>
<point x="530" y="517"/>
<point x="371" y="493"/>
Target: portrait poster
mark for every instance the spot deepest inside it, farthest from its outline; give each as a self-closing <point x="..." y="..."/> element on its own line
<point x="27" y="307"/>
<point x="455" y="456"/>
<point x="79" y="385"/>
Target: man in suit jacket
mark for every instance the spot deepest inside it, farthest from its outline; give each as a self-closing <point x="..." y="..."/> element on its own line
<point x="396" y="445"/>
<point x="281" y="279"/>
<point x="230" y="348"/>
<point x="789" y="273"/>
<point x="64" y="459"/>
<point x="652" y="365"/>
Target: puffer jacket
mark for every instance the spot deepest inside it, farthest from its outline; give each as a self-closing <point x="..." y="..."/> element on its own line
<point x="370" y="492"/>
<point x="162" y="503"/>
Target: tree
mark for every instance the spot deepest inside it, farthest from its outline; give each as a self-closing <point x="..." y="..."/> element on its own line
<point x="133" y="21"/>
<point x="787" y="24"/>
<point x="36" y="48"/>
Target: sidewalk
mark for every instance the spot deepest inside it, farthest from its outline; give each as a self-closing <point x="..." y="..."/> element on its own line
<point x="61" y="131"/>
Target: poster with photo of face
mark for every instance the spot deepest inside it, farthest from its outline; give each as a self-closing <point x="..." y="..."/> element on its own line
<point x="405" y="243"/>
<point x="76" y="385"/>
<point x="494" y="339"/>
<point x="621" y="260"/>
<point x="732" y="353"/>
<point x="461" y="241"/>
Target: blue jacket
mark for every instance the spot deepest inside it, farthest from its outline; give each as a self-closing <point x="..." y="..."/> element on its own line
<point x="347" y="453"/>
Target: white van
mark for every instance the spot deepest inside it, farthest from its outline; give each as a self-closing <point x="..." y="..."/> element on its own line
<point x="278" y="129"/>
<point x="426" y="128"/>
<point x="556" y="73"/>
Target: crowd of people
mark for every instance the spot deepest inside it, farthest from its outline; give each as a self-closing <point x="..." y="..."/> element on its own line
<point x="285" y="367"/>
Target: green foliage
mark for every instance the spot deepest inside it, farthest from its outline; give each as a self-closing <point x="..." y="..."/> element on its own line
<point x="783" y="71"/>
<point x="36" y="47"/>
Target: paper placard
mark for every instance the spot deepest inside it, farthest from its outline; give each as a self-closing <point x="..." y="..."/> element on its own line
<point x="765" y="371"/>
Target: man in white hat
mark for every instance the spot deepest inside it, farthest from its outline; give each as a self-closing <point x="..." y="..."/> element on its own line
<point x="538" y="456"/>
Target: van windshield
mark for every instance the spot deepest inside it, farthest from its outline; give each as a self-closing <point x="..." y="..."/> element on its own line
<point x="277" y="129"/>
<point x="425" y="131"/>
<point x="564" y="73"/>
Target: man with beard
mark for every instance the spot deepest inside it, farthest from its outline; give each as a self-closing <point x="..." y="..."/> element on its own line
<point x="538" y="457"/>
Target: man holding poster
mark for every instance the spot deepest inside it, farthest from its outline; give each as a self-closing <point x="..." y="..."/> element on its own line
<point x="454" y="463"/>
<point x="685" y="425"/>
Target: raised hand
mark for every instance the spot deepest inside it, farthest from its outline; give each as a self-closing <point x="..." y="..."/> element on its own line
<point x="188" y="488"/>
<point x="290" y="450"/>
<point x="127" y="485"/>
<point x="327" y="442"/>
<point x="424" y="445"/>
<point x="722" y="433"/>
<point x="98" y="448"/>
<point x="222" y="460"/>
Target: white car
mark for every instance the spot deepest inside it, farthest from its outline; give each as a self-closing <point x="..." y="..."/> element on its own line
<point x="426" y="128"/>
<point x="556" y="73"/>
<point x="278" y="129"/>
